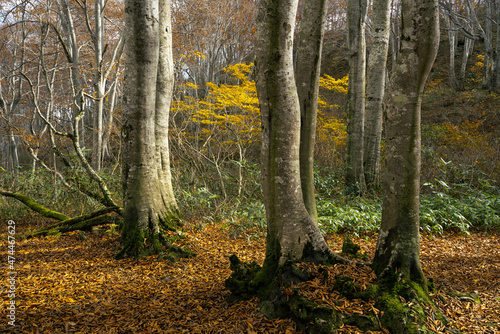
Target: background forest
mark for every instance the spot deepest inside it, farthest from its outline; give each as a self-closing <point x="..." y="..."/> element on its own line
<point x="60" y="99"/>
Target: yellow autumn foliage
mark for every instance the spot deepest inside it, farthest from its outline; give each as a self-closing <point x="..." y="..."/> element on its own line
<point x="229" y="115"/>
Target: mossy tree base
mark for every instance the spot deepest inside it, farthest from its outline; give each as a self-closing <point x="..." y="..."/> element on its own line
<point x="280" y="300"/>
<point x="405" y="306"/>
<point x="401" y="307"/>
<point x="140" y="243"/>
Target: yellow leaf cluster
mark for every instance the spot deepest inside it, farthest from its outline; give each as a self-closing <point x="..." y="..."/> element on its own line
<point x="330" y="83"/>
<point x="230" y="110"/>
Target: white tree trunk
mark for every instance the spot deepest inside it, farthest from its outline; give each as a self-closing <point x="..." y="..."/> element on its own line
<point x="291" y="232"/>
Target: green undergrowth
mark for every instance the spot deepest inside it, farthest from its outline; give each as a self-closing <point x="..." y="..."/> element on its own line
<point x="42" y="187"/>
<point x="453" y="203"/>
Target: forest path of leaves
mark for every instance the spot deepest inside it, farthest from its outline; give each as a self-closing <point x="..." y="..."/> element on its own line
<point x="71" y="285"/>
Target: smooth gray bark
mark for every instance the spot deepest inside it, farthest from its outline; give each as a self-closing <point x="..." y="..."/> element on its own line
<point x="148" y="199"/>
<point x="291" y="232"/>
<point x="307" y="79"/>
<point x="99" y="85"/>
<point x="375" y="90"/>
<point x="356" y="16"/>
<point x="452" y="41"/>
<point x="398" y="243"/>
<point x="164" y="90"/>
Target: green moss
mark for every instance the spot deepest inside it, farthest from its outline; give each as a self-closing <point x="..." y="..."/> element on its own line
<point x="138" y="243"/>
<point x="346" y="287"/>
<point x="349" y="247"/>
<point x="242" y="283"/>
<point x="372" y="292"/>
<point x="363" y="322"/>
<point x="404" y="305"/>
<point x="312" y="318"/>
<point x="36" y="207"/>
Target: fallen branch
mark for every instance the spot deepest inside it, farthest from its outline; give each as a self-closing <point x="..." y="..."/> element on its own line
<point x="76" y="225"/>
<point x="65" y="224"/>
<point x="35" y="206"/>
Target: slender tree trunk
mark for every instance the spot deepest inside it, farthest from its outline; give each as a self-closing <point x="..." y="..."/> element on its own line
<point x="398" y="243"/>
<point x="106" y="137"/>
<point x="375" y="90"/>
<point x="164" y="89"/>
<point x="307" y="79"/>
<point x="468" y="46"/>
<point x="489" y="59"/>
<point x="13" y="154"/>
<point x="356" y="16"/>
<point x="452" y="40"/>
<point x="99" y="86"/>
<point x="148" y="200"/>
<point x="496" y="69"/>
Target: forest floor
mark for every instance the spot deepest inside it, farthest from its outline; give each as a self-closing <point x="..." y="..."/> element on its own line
<point x="72" y="284"/>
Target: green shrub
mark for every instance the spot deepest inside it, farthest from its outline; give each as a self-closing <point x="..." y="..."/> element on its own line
<point x="355" y="216"/>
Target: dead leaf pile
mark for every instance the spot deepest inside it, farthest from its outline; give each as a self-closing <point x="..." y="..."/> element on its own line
<point x="72" y="284"/>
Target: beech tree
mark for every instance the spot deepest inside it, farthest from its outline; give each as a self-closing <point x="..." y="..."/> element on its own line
<point x="356" y="17"/>
<point x="149" y="204"/>
<point x="375" y="90"/>
<point x="458" y="21"/>
<point x="307" y="79"/>
<point x="292" y="234"/>
<point x="398" y="243"/>
<point x="10" y="96"/>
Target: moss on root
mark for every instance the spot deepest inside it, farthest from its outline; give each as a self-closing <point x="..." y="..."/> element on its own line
<point x="404" y="306"/>
<point x="139" y="243"/>
<point x="241" y="282"/>
<point x="271" y="284"/>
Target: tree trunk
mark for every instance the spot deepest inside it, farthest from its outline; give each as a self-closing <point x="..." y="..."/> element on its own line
<point x="452" y="40"/>
<point x="468" y="46"/>
<point x="496" y="69"/>
<point x="164" y="89"/>
<point x="148" y="201"/>
<point x="290" y="227"/>
<point x="398" y="243"/>
<point x="375" y="89"/>
<point x="356" y="16"/>
<point x="99" y="86"/>
<point x="13" y="154"/>
<point x="292" y="235"/>
<point x="307" y="79"/>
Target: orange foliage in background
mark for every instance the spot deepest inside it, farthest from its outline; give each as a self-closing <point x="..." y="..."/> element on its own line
<point x="468" y="146"/>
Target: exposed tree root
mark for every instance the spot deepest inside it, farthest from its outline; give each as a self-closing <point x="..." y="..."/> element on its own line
<point x="277" y="298"/>
<point x="400" y="307"/>
<point x="140" y="243"/>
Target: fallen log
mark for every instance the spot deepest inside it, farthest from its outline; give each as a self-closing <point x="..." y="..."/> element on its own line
<point x="33" y="205"/>
<point x="66" y="223"/>
<point x="76" y="225"/>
